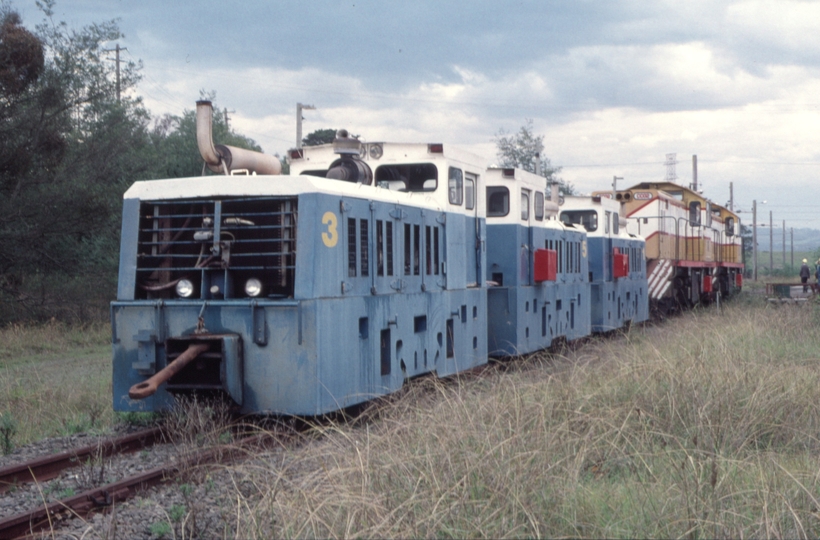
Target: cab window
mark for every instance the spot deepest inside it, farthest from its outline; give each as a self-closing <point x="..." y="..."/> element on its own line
<point x="455" y="186"/>
<point x="525" y="204"/>
<point x="498" y="201"/>
<point x="469" y="191"/>
<point x="539" y="205"/>
<point x="586" y="218"/>
<point x="408" y="177"/>
<point x="694" y="214"/>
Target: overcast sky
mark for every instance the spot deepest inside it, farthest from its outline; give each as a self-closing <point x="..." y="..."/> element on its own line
<point x="613" y="85"/>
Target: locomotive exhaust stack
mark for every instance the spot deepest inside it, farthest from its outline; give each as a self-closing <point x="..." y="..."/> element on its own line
<point x="349" y="167"/>
<point x="223" y="158"/>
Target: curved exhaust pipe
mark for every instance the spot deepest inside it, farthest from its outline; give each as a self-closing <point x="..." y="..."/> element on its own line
<point x="222" y="158"/>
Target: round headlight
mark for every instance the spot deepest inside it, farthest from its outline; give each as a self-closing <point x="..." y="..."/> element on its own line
<point x="253" y="287"/>
<point x="185" y="288"/>
<point x="376" y="151"/>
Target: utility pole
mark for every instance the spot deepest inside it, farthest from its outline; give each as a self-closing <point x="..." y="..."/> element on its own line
<point x="791" y="233"/>
<point x="784" y="244"/>
<point x="671" y="161"/>
<point x="731" y="197"/>
<point x="615" y="185"/>
<point x="117" y="50"/>
<point x="299" y="109"/>
<point x="754" y="238"/>
<point x="771" y="245"/>
<point x="225" y="111"/>
<point x="695" y="173"/>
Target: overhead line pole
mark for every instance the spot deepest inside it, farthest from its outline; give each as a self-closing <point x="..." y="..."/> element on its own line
<point x="784" y="244"/>
<point x="754" y="238"/>
<point x="299" y="108"/>
<point x="117" y="50"/>
<point x="771" y="245"/>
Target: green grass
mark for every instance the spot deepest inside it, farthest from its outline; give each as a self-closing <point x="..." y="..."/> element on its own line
<point x="55" y="379"/>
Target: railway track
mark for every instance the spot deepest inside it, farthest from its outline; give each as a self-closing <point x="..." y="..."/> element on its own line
<point x="48" y="515"/>
<point x="49" y="467"/>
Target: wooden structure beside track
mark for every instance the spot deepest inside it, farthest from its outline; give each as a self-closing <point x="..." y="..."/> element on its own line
<point x="775" y="289"/>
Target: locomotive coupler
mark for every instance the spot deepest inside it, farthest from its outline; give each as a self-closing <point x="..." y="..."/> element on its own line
<point x="147" y="388"/>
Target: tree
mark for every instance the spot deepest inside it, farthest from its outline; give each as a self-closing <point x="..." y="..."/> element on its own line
<point x="68" y="149"/>
<point x="320" y="136"/>
<point x="520" y="150"/>
<point x="746" y="245"/>
<point x="21" y="55"/>
<point x="70" y="145"/>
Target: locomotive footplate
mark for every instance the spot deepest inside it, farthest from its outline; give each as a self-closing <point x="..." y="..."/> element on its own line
<point x="218" y="368"/>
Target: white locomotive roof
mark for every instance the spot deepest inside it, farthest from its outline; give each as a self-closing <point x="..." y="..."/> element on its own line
<point x="264" y="185"/>
<point x="393" y="156"/>
<point x="600" y="205"/>
<point x="321" y="156"/>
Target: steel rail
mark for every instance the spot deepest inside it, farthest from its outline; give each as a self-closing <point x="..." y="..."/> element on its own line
<point x="101" y="498"/>
<point x="48" y="467"/>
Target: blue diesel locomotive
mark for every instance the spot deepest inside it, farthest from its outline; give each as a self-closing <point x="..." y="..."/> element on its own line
<point x="537" y="267"/>
<point x="617" y="263"/>
<point x="369" y="265"/>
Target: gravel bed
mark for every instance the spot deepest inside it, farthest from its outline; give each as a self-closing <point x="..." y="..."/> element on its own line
<point x="202" y="501"/>
<point x="205" y="507"/>
<point x="92" y="473"/>
<point x="55" y="445"/>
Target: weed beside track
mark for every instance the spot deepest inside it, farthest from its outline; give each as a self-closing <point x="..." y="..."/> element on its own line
<point x="710" y="430"/>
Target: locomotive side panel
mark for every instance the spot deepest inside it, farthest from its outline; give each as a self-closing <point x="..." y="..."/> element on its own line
<point x="524" y="315"/>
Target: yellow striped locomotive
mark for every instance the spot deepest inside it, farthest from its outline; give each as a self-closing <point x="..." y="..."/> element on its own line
<point x="693" y="247"/>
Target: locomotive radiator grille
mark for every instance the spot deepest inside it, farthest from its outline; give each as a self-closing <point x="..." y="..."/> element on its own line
<point x="245" y="238"/>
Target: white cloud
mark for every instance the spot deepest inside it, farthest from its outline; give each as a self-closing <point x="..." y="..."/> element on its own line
<point x="787" y="24"/>
<point x="734" y="83"/>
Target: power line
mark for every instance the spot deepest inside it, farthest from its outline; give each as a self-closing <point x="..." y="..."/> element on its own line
<point x="512" y="104"/>
<point x="729" y="162"/>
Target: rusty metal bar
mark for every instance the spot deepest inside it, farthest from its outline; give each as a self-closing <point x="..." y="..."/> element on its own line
<point x="147" y="388"/>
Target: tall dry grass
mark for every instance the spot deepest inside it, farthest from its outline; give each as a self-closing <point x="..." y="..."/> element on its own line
<point x="706" y="426"/>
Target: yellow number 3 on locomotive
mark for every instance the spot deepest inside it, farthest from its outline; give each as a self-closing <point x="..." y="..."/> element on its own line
<point x="331" y="236"/>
